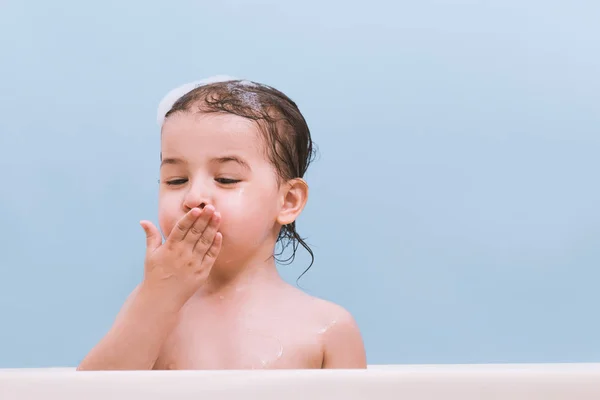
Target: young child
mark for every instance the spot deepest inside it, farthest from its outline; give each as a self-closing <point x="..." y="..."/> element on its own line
<point x="233" y="155"/>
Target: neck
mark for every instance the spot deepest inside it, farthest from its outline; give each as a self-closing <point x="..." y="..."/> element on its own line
<point x="234" y="277"/>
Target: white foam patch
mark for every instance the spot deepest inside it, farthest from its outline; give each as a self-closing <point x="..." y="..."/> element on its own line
<point x="250" y="99"/>
<point x="247" y="83"/>
<point x="175" y="94"/>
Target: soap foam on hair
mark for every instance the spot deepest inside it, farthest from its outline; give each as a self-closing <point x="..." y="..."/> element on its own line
<point x="175" y="94"/>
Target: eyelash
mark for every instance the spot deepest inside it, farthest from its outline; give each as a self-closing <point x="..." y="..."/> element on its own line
<point x="222" y="181"/>
<point x="227" y="181"/>
<point x="176" y="182"/>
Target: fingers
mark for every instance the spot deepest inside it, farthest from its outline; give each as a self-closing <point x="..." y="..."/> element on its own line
<point x="206" y="239"/>
<point x="183" y="226"/>
<point x="213" y="251"/>
<point x="197" y="230"/>
<point x="153" y="238"/>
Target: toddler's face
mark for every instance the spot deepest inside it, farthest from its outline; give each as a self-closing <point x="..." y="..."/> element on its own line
<point x="219" y="159"/>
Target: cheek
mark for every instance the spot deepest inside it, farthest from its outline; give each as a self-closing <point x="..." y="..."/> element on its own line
<point x="169" y="211"/>
<point x="248" y="212"/>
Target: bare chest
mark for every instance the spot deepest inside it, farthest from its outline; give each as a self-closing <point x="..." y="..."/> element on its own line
<point x="241" y="341"/>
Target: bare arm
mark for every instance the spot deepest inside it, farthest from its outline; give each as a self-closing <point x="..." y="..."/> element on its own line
<point x="173" y="271"/>
<point x="343" y="344"/>
<point x="137" y="335"/>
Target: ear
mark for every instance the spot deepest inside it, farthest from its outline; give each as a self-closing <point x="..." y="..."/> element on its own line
<point x="294" y="194"/>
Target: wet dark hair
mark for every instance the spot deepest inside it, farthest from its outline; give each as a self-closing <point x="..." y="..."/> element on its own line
<point x="289" y="145"/>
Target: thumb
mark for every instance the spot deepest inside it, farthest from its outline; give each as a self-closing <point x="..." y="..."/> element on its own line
<point x="153" y="239"/>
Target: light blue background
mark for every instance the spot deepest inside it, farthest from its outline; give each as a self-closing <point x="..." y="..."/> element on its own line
<point x="454" y="207"/>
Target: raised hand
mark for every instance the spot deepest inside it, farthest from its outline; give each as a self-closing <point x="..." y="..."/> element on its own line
<point x="179" y="266"/>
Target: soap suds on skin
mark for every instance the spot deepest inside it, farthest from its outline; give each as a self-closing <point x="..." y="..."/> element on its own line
<point x="267" y="359"/>
<point x="327" y="327"/>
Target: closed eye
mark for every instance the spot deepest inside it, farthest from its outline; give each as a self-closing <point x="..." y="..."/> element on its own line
<point x="227" y="181"/>
<point x="175" y="182"/>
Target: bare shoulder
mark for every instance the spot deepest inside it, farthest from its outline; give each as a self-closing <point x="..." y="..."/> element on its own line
<point x="339" y="332"/>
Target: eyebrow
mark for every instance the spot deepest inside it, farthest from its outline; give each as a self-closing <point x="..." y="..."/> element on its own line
<point x="218" y="160"/>
<point x="171" y="161"/>
<point x="235" y="159"/>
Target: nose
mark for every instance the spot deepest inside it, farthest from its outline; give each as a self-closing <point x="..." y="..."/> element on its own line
<point x="196" y="197"/>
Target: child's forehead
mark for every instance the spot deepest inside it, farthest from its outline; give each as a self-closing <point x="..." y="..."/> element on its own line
<point x="199" y="133"/>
